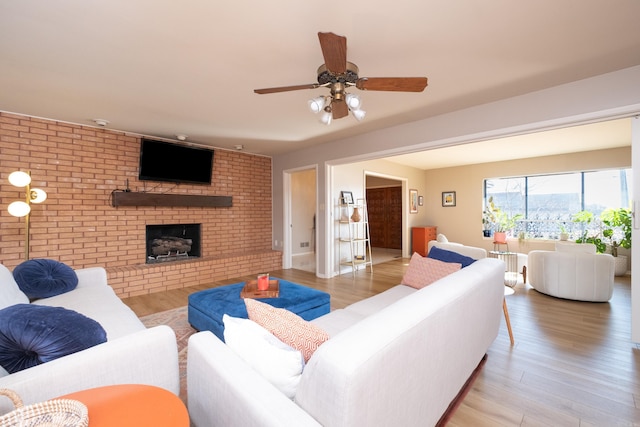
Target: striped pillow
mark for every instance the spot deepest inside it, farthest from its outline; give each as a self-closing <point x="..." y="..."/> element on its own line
<point x="288" y="327"/>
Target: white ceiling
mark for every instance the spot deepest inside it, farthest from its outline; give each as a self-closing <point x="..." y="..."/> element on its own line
<point x="164" y="67"/>
<point x="594" y="136"/>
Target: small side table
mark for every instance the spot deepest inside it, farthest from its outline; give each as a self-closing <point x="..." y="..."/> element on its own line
<point x="507" y="291"/>
<point x="511" y="266"/>
<point x="132" y="405"/>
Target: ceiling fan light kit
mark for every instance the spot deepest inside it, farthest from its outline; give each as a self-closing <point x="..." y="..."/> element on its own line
<point x="317" y="104"/>
<point x="338" y="74"/>
<point x="358" y="114"/>
<point x="326" y="117"/>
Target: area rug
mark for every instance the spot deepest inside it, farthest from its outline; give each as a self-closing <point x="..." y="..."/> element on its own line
<point x="177" y="320"/>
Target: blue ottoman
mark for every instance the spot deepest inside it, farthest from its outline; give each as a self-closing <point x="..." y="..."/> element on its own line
<point x="207" y="307"/>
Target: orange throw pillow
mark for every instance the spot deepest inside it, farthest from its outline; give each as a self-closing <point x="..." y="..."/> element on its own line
<point x="288" y="327"/>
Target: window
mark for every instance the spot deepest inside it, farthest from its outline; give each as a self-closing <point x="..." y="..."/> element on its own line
<point x="548" y="202"/>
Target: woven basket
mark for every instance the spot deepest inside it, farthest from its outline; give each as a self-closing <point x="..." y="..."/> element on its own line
<point x="52" y="413"/>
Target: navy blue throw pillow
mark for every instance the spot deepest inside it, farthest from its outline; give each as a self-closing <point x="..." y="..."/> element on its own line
<point x="34" y="334"/>
<point x="449" y="256"/>
<point x="44" y="278"/>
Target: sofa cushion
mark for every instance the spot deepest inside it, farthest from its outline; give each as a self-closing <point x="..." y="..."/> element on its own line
<point x="424" y="271"/>
<point x="338" y="320"/>
<point x="32" y="334"/>
<point x="279" y="363"/>
<point x="10" y="293"/>
<point x="450" y="256"/>
<point x="374" y="304"/>
<point x="44" y="278"/>
<point x="587" y="248"/>
<point x="290" y="328"/>
<point x="442" y="238"/>
<point x="470" y="251"/>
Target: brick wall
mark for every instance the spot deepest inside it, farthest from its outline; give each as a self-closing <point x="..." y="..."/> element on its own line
<point x="79" y="167"/>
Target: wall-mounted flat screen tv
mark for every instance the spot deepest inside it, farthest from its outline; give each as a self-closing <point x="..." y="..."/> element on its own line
<point x="164" y="161"/>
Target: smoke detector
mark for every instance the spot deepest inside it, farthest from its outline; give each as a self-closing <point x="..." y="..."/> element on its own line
<point x="101" y="122"/>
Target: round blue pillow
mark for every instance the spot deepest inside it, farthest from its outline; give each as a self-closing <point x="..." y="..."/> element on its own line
<point x="44" y="278"/>
<point x="33" y="334"/>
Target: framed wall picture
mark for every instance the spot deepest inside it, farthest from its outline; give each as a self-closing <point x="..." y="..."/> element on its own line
<point x="413" y="201"/>
<point x="448" y="198"/>
<point x="346" y="197"/>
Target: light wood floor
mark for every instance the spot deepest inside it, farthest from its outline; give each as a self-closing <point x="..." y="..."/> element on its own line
<point x="572" y="364"/>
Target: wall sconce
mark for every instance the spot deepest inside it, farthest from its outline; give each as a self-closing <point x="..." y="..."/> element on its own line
<point x="23" y="209"/>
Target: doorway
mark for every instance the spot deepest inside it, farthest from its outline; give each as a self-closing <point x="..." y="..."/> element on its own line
<point x="301" y="223"/>
<point x="385" y="211"/>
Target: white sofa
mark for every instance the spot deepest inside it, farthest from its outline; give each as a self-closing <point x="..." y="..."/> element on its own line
<point x="478" y="253"/>
<point x="132" y="353"/>
<point x="470" y="251"/>
<point x="398" y="358"/>
<point x="572" y="271"/>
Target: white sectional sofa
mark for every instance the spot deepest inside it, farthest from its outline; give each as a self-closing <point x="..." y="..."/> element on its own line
<point x="398" y="358"/>
<point x="132" y="353"/>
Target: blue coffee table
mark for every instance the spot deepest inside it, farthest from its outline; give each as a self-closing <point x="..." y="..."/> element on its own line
<point x="207" y="307"/>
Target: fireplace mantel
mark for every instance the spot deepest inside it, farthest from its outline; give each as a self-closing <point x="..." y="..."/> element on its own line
<point x="130" y="198"/>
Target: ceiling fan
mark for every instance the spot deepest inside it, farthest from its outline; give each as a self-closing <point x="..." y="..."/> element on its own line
<point x="338" y="74"/>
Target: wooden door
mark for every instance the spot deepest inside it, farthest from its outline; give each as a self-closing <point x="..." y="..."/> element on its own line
<point x="384" y="206"/>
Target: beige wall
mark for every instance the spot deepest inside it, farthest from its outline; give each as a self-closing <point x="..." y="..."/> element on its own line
<point x="463" y="223"/>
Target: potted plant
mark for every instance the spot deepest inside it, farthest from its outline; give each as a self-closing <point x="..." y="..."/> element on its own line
<point x="617" y="232"/>
<point x="503" y="222"/>
<point x="488" y="219"/>
<point x="564" y="235"/>
<point x="586" y="218"/>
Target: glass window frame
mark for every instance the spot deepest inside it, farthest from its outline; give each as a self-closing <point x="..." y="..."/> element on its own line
<point x="550" y="228"/>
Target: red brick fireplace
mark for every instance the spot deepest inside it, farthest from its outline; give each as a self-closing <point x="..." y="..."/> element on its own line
<point x="80" y="167"/>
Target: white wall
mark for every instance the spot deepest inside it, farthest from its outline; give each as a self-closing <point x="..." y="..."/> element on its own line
<point x="303" y="208"/>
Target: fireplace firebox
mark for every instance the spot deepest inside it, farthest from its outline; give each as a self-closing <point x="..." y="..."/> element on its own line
<point x="172" y="242"/>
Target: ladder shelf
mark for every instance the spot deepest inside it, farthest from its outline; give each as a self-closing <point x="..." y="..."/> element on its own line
<point x="354" y="244"/>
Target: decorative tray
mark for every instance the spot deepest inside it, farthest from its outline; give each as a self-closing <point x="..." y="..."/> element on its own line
<point x="251" y="290"/>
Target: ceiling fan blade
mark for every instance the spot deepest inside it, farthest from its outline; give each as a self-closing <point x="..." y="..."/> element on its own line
<point x="339" y="109"/>
<point x="286" y="88"/>
<point x="334" y="50"/>
<point x="398" y="84"/>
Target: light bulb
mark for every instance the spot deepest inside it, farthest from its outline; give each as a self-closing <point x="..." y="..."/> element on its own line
<point x="316" y="104"/>
<point x="326" y="118"/>
<point x="19" y="179"/>
<point x="19" y="209"/>
<point x="353" y="101"/>
<point x="358" y="114"/>
<point x="38" y="195"/>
